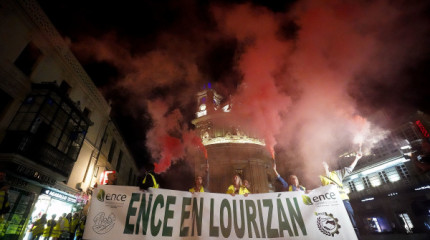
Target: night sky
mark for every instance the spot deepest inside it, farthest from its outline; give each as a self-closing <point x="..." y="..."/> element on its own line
<point x="320" y="65"/>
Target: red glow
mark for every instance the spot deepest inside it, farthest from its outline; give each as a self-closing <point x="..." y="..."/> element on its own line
<point x="422" y="128"/>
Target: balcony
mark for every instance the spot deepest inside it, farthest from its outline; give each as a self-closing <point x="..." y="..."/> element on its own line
<point x="40" y="152"/>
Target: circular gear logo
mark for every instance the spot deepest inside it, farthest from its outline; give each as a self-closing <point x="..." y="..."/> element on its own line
<point x="327" y="224"/>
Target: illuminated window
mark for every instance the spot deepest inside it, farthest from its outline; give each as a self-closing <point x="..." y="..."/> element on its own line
<point x="359" y="185"/>
<point x="392" y="174"/>
<point x="407" y="224"/>
<point x="374" y="180"/>
<point x="202" y="113"/>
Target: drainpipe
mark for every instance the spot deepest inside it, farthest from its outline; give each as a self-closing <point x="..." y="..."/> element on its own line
<point x="98" y="154"/>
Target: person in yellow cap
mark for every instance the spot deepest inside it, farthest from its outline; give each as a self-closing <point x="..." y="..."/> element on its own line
<point x="38" y="227"/>
<point x="237" y="187"/>
<point x="199" y="184"/>
<point x="335" y="177"/>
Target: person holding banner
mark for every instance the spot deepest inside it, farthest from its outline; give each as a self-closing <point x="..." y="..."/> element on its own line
<point x="237" y="187"/>
<point x="293" y="182"/>
<point x="247" y="185"/>
<point x="335" y="177"/>
<point x="198" y="183"/>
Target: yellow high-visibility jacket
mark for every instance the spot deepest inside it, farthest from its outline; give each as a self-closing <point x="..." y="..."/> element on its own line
<point x="242" y="190"/>
<point x="334" y="178"/>
<point x="49" y="228"/>
<point x="38" y="227"/>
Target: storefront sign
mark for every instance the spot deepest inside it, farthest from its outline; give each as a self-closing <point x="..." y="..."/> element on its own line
<point x="59" y="196"/>
<point x="122" y="212"/>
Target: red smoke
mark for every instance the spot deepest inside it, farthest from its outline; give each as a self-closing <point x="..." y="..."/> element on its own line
<point x="295" y="92"/>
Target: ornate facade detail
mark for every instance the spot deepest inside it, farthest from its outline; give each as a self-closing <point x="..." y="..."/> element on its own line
<point x="39" y="17"/>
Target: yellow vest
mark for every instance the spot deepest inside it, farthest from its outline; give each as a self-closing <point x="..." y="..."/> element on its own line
<point x="80" y="229"/>
<point x="299" y="188"/>
<point x="202" y="189"/>
<point x="333" y="178"/>
<point x="153" y="181"/>
<point x="74" y="224"/>
<point x="38" y="227"/>
<point x="48" y="230"/>
<point x="242" y="190"/>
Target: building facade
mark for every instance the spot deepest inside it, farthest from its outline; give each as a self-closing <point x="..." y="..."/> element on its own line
<point x="389" y="191"/>
<point x="230" y="150"/>
<point x="56" y="136"/>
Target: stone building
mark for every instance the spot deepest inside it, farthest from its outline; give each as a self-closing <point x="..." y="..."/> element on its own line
<point x="389" y="191"/>
<point x="56" y="135"/>
<point x="230" y="150"/>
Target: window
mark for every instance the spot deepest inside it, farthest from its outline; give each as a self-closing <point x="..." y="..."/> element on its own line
<point x="373" y="224"/>
<point x="383" y="176"/>
<point x="118" y="165"/>
<point x="374" y="179"/>
<point x="111" y="150"/>
<point x="392" y="174"/>
<point x="352" y="186"/>
<point x="27" y="59"/>
<point x="403" y="171"/>
<point x="359" y="185"/>
<point x="407" y="223"/>
<point x="366" y="182"/>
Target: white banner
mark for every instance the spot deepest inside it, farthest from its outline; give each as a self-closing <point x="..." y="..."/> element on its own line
<point x="120" y="212"/>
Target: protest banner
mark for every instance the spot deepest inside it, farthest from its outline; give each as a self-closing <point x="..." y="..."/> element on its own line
<point x="120" y="212"/>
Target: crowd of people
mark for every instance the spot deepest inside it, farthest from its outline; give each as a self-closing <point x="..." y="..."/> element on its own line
<point x="66" y="227"/>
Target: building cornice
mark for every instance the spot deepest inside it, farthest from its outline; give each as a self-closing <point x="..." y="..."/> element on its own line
<point x="37" y="15"/>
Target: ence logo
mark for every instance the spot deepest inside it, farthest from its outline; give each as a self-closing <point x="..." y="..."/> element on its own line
<point x="315" y="199"/>
<point x="101" y="195"/>
<point x="327" y="224"/>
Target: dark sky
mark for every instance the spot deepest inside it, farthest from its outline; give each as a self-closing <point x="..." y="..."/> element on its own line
<point x="308" y="66"/>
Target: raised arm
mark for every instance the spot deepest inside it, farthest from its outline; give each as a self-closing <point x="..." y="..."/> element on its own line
<point x="354" y="163"/>
<point x="284" y="183"/>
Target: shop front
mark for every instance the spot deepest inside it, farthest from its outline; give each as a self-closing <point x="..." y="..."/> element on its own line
<point x="51" y="202"/>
